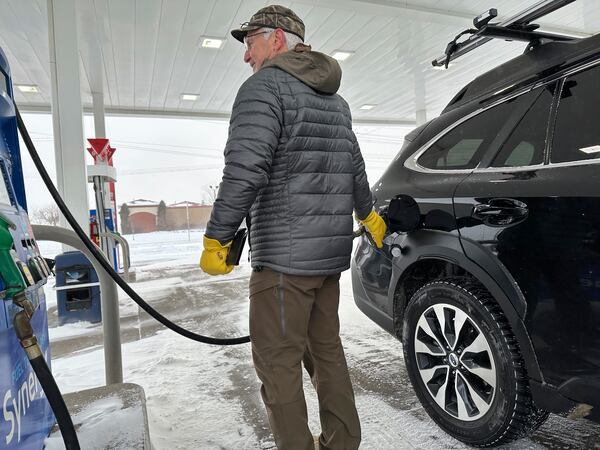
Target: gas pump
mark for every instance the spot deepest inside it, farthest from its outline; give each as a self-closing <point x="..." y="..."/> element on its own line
<point x="29" y="398"/>
<point x="16" y="278"/>
<point x="103" y="176"/>
<point x="26" y="415"/>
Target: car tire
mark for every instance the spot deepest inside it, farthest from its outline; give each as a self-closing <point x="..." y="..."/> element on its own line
<point x="465" y="365"/>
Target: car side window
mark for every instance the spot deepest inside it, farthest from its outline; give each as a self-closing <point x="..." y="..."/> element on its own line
<point x="576" y="133"/>
<point x="526" y="143"/>
<point x="464" y="146"/>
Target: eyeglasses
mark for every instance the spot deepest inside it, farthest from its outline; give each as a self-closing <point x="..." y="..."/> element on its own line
<point x="248" y="36"/>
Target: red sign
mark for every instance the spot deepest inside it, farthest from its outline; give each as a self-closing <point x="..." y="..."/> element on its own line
<point x="101" y="150"/>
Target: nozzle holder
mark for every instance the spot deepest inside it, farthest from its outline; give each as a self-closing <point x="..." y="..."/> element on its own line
<point x="43" y="266"/>
<point x="35" y="269"/>
<point x="25" y="272"/>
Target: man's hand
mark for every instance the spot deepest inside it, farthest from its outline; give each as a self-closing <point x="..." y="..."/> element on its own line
<point x="214" y="256"/>
<point x="376" y="227"/>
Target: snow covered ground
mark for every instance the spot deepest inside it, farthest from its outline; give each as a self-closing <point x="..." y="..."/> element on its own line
<point x="207" y="397"/>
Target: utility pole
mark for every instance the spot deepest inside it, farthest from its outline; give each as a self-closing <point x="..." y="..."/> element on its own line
<point x="187" y="215"/>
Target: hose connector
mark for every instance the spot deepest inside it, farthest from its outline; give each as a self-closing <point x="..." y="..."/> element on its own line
<point x="24" y="332"/>
<point x="23" y="302"/>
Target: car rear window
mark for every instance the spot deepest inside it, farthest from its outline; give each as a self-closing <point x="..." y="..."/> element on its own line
<point x="577" y="134"/>
<point x="526" y="143"/>
<point x="464" y="146"/>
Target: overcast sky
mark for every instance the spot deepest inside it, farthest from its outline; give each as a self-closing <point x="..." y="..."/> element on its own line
<point x="173" y="159"/>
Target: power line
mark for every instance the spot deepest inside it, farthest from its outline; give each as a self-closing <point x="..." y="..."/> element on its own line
<point x="174" y="152"/>
<point x="168" y="170"/>
<point x="137" y="143"/>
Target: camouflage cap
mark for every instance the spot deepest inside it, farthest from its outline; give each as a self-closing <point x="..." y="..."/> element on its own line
<point x="273" y="16"/>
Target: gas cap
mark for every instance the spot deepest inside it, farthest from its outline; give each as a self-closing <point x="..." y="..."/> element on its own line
<point x="396" y="251"/>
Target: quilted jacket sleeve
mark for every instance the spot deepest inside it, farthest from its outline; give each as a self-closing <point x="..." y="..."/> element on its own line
<point x="363" y="201"/>
<point x="254" y="132"/>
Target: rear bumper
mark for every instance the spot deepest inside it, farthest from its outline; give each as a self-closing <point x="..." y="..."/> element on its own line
<point x="361" y="299"/>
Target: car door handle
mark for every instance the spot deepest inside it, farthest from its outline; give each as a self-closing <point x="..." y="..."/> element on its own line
<point x="500" y="211"/>
<point x="482" y="211"/>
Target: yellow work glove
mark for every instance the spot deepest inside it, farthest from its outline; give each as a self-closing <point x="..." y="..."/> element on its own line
<point x="376" y="227"/>
<point x="214" y="256"/>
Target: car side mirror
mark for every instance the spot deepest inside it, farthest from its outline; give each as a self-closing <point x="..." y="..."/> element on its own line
<point x="403" y="214"/>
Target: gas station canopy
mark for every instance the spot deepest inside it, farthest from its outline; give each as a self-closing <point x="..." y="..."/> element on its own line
<point x="146" y="57"/>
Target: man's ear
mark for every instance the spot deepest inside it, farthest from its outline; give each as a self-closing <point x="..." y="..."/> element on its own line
<point x="280" y="43"/>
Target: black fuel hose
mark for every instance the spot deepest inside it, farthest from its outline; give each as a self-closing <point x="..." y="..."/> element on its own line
<point x="100" y="257"/>
<point x="56" y="401"/>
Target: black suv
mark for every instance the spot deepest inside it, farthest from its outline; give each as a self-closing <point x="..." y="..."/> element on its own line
<point x="490" y="275"/>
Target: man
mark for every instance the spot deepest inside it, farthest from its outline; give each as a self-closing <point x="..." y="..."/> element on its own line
<point x="293" y="163"/>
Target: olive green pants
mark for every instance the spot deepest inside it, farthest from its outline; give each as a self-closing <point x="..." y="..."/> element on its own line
<point x="295" y="319"/>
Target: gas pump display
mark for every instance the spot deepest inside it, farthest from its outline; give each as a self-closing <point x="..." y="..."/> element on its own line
<point x="25" y="416"/>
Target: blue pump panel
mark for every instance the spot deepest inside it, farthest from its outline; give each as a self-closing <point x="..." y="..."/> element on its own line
<point x="9" y="138"/>
<point x="25" y="415"/>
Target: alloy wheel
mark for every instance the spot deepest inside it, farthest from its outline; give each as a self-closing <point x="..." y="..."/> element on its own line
<point x="455" y="362"/>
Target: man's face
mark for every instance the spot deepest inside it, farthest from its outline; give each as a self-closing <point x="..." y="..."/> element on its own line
<point x="259" y="49"/>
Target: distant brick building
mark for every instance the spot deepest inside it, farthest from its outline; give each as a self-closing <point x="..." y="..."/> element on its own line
<point x="143" y="215"/>
<point x="179" y="213"/>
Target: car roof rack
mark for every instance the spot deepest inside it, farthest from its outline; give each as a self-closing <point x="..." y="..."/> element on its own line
<point x="516" y="28"/>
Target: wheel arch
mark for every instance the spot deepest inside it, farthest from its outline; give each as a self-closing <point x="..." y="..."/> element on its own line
<point x="428" y="255"/>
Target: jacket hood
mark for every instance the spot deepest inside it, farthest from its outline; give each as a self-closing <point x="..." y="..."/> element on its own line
<point x="315" y="69"/>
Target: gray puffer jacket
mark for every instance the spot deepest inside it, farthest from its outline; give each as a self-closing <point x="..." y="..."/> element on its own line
<point x="293" y="162"/>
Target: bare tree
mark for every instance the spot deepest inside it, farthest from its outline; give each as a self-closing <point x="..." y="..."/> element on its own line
<point x="46" y="215"/>
<point x="211" y="191"/>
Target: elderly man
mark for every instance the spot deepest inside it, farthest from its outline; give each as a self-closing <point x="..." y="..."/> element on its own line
<point x="294" y="167"/>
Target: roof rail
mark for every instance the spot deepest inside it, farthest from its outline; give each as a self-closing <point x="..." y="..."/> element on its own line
<point x="516" y="28"/>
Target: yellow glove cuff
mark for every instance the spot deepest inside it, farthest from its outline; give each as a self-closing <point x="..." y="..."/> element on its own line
<point x="214" y="257"/>
<point x="213" y="244"/>
<point x="376" y="227"/>
<point x="370" y="219"/>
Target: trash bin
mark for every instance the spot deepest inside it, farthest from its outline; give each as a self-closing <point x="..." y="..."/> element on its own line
<point x="77" y="289"/>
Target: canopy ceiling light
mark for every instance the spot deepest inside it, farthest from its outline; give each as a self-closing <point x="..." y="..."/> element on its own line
<point x="211" y="42"/>
<point x="342" y="55"/>
<point x="28" y="88"/>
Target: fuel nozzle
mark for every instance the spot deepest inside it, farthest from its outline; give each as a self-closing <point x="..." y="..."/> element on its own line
<point x="9" y="271"/>
<point x="12" y="270"/>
